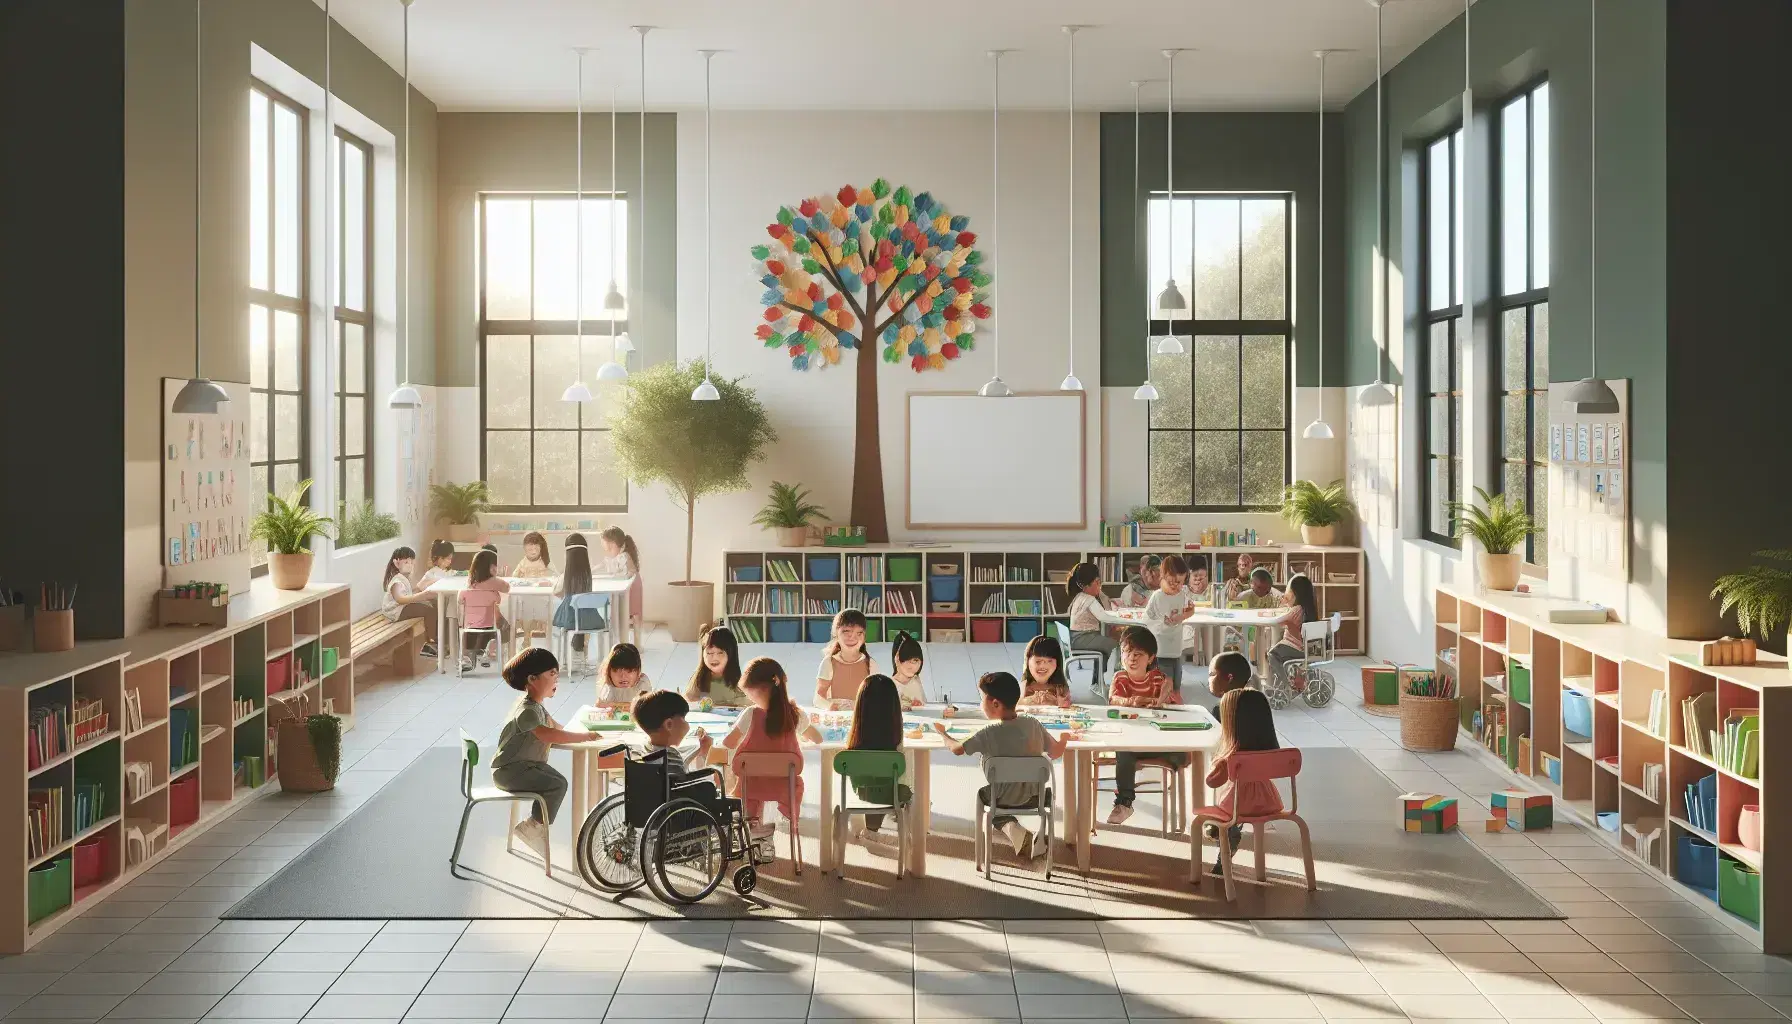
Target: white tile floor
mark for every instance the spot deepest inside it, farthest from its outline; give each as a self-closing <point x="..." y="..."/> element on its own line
<point x="1629" y="948"/>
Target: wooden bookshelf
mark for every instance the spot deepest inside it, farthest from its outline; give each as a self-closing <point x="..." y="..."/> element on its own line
<point x="984" y="593"/>
<point x="1609" y="752"/>
<point x="184" y="680"/>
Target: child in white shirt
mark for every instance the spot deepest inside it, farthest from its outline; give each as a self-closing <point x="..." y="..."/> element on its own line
<point x="906" y="660"/>
<point x="1168" y="606"/>
<point x="620" y="679"/>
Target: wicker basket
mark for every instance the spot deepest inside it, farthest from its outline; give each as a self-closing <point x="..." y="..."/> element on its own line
<point x="1428" y="723"/>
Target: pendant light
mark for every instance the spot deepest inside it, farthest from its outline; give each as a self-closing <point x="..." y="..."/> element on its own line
<point x="1319" y="430"/>
<point x="1146" y="392"/>
<point x="995" y="387"/>
<point x="578" y="390"/>
<point x="198" y="395"/>
<point x="1379" y="393"/>
<point x="706" y="392"/>
<point x="1591" y="395"/>
<point x="611" y="369"/>
<point x="1170" y="299"/>
<point x="405" y="396"/>
<point x="1070" y="383"/>
<point x="623" y="344"/>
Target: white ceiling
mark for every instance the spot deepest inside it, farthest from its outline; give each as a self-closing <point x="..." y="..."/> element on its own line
<point x="889" y="54"/>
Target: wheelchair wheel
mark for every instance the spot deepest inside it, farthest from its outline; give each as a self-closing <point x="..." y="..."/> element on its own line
<point x="684" y="852"/>
<point x="609" y="850"/>
<point x="1277" y="691"/>
<point x="746" y="879"/>
<point x="1320" y="687"/>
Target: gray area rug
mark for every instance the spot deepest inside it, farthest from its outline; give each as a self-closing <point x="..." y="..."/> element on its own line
<point x="389" y="860"/>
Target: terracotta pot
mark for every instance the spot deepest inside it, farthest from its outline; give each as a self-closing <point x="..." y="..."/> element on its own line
<point x="692" y="605"/>
<point x="793" y="536"/>
<point x="1498" y="572"/>
<point x="1319" y="536"/>
<point x="466" y="533"/>
<point x="290" y="572"/>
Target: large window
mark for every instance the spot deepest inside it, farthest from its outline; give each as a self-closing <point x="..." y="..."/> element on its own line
<point x="352" y="163"/>
<point x="540" y="452"/>
<point x="277" y="364"/>
<point x="1219" y="430"/>
<point x="1440" y="287"/>
<point x="1522" y="234"/>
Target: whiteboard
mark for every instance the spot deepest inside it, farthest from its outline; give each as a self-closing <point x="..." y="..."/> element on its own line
<point x="995" y="463"/>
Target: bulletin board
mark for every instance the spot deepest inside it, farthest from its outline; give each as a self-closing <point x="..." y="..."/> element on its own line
<point x="206" y="482"/>
<point x="980" y="463"/>
<point x="1372" y="461"/>
<point x="1589" y="485"/>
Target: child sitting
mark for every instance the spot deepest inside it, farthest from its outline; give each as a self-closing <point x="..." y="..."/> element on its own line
<point x="1047" y="685"/>
<point x="402" y="600"/>
<point x="1303" y="607"/>
<point x="1091" y="612"/>
<point x="536" y="562"/>
<point x="1246" y="723"/>
<point x="845" y="663"/>
<point x="624" y="560"/>
<point x="1012" y="735"/>
<point x="1139" y="684"/>
<point x="1260" y="593"/>
<point x="772" y="725"/>
<point x="573" y="581"/>
<point x="1228" y="671"/>
<point x="620" y="679"/>
<point x="906" y="660"/>
<point x="877" y="725"/>
<point x="717" y="677"/>
<point x="521" y="763"/>
<point x="1165" y="612"/>
<point x="441" y="563"/>
<point x="483" y="615"/>
<point x="1143" y="583"/>
<point x="662" y="716"/>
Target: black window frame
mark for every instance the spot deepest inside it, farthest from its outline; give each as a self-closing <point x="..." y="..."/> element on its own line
<point x="1446" y="320"/>
<point x="1530" y="304"/>
<point x="363" y="317"/>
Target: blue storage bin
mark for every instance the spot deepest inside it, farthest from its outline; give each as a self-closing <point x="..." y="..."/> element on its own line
<point x="944" y="588"/>
<point x="784" y="631"/>
<point x="1695" y="865"/>
<point x="824" y="568"/>
<point x="1577" y="713"/>
<point x="748" y="573"/>
<point x="1022" y="630"/>
<point x="1609" y="820"/>
<point x="819" y="630"/>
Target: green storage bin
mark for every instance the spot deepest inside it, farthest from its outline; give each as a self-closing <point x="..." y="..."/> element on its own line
<point x="874" y="631"/>
<point x="1739" y="889"/>
<point x="331" y="658"/>
<point x="1518" y="681"/>
<point x="903" y="568"/>
<point x="51" y="888"/>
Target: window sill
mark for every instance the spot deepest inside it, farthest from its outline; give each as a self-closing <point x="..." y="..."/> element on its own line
<point x="359" y="549"/>
<point x="1433" y="547"/>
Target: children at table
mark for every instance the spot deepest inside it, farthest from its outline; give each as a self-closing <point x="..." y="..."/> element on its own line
<point x="575" y="579"/>
<point x="906" y="660"/>
<point x="1165" y="612"/>
<point x="1143" y="583"/>
<point x="1047" y="685"/>
<point x="620" y="679"/>
<point x="402" y="601"/>
<point x="624" y="560"/>
<point x="877" y="725"/>
<point x="662" y="715"/>
<point x="1246" y="724"/>
<point x="1240" y="580"/>
<point x="535" y="563"/>
<point x="1228" y="671"/>
<point x="1091" y="612"/>
<point x="1012" y="735"/>
<point x="771" y="724"/>
<point x="1140" y="683"/>
<point x="718" y="674"/>
<point x="521" y="762"/>
<point x="845" y="662"/>
<point x="483" y="614"/>
<point x="441" y="563"/>
<point x="1259" y="592"/>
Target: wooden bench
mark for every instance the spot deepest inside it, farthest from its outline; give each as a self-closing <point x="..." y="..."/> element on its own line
<point x="373" y="635"/>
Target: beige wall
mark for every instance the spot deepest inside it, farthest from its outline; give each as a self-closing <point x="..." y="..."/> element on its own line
<point x="159" y="215"/>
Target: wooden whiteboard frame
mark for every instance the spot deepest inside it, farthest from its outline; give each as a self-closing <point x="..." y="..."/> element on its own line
<point x="1082" y="468"/>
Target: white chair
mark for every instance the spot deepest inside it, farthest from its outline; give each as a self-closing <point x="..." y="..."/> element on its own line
<point x="475" y="795"/>
<point x="475" y="598"/>
<point x="597" y="639"/>
<point x="1034" y="771"/>
<point x="1097" y="661"/>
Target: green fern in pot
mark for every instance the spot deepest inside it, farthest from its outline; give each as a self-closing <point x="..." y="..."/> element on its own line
<point x="287" y="525"/>
<point x="1316" y="510"/>
<point x="789" y="511"/>
<point x="1500" y="527"/>
<point x="1760" y="595"/>
<point x="459" y="505"/>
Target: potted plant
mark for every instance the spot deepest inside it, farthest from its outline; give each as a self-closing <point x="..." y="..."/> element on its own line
<point x="1316" y="510"/>
<point x="1144" y="514"/>
<point x="1761" y="595"/>
<point x="362" y="523"/>
<point x="288" y="525"/>
<point x="789" y="511"/>
<point x="459" y="505"/>
<point x="695" y="448"/>
<point x="1500" y="527"/>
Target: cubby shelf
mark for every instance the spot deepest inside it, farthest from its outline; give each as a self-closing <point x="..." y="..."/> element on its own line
<point x="1593" y="689"/>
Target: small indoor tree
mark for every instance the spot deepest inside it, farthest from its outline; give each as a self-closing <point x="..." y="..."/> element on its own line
<point x="694" y="448"/>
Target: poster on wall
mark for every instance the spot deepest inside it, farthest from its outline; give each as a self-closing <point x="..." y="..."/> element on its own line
<point x="1589" y="502"/>
<point x="1372" y="461"/>
<point x="417" y="458"/>
<point x="206" y="482"/>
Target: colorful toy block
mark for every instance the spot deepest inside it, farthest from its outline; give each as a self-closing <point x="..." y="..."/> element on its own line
<point x="1428" y="812"/>
<point x="1522" y="811"/>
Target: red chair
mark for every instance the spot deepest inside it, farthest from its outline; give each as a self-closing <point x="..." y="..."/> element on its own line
<point x="785" y="768"/>
<point x="1247" y="767"/>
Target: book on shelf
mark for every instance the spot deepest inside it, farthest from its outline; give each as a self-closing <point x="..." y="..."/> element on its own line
<point x="90" y="804"/>
<point x="1738" y="747"/>
<point x="139" y="778"/>
<point x="901" y="602"/>
<point x="1699" y="719"/>
<point x="1658" y="713"/>
<point x="183" y="737"/>
<point x="133" y="711"/>
<point x="992" y="605"/>
<point x="747" y="630"/>
<point x="1021" y="574"/>
<point x="782" y="571"/>
<point x="1701" y="803"/>
<point x="43" y="821"/>
<point x="49" y="735"/>
<point x="1645" y="835"/>
<point x="749" y="603"/>
<point x="1652" y="775"/>
<point x="864" y="569"/>
<point x="986" y="574"/>
<point x="820" y="606"/>
<point x="1108" y="566"/>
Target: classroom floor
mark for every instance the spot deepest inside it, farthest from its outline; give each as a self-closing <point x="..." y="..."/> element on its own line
<point x="1628" y="949"/>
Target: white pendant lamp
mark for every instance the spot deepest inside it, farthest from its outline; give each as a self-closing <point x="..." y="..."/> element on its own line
<point x="1319" y="430"/>
<point x="995" y="387"/>
<point x="623" y="344"/>
<point x="1170" y="299"/>
<point x="198" y="395"/>
<point x="1591" y="395"/>
<point x="1378" y="393"/>
<point x="1070" y="383"/>
<point x="578" y="390"/>
<point x="1146" y="392"/>
<point x="405" y="396"/>
<point x="706" y="392"/>
<point x="611" y="369"/>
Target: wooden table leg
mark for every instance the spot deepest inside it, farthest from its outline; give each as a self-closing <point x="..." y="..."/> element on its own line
<point x="828" y="852"/>
<point x="581" y="772"/>
<point x="1070" y="792"/>
<point x="442" y="631"/>
<point x="920" y="811"/>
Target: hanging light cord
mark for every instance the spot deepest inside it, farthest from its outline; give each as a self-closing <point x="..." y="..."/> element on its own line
<point x="578" y="302"/>
<point x="708" y="224"/>
<point x="1468" y="135"/>
<point x="198" y="122"/>
<point x="1071" y="109"/>
<point x="1170" y="189"/>
<point x="404" y="287"/>
<point x="995" y="175"/>
<point x="331" y="164"/>
<point x="641" y="185"/>
<point x="613" y="191"/>
<point x="1593" y="203"/>
<point x="1135" y="205"/>
<point x="1381" y="227"/>
<point x="1322" y="224"/>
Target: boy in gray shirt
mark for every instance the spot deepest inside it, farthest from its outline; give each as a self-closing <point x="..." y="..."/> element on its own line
<point x="521" y="763"/>
<point x="1012" y="735"/>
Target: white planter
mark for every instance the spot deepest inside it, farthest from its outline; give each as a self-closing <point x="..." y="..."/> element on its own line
<point x="690" y="607"/>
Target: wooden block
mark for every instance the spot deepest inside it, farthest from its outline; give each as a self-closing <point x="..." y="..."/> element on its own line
<point x="1496" y="824"/>
<point x="1428" y="812"/>
<point x="1522" y="810"/>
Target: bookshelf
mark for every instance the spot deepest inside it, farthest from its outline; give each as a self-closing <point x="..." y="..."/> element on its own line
<point x="983" y="593"/>
<point x="120" y="739"/>
<point x="1613" y="725"/>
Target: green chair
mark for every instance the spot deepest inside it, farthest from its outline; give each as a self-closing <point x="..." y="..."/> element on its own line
<point x="475" y="795"/>
<point x="869" y="769"/>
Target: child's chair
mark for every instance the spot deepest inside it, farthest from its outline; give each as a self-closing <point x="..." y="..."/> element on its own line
<point x="870" y="769"/>
<point x="1247" y="767"/>
<point x="470" y="599"/>
<point x="1035" y="771"/>
<point x="1170" y="786"/>
<point x="788" y="767"/>
<point x="1097" y="661"/>
<point x="469" y="759"/>
<point x="586" y="609"/>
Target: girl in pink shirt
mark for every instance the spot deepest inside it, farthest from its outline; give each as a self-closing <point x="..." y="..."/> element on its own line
<point x="1246" y="724"/>
<point x="772" y="725"/>
<point x="480" y="604"/>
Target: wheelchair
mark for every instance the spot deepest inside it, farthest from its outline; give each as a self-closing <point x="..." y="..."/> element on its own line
<point x="1309" y="676"/>
<point x="677" y="838"/>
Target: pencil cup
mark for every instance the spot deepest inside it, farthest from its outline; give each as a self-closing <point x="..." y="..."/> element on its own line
<point x="12" y="627"/>
<point x="53" y="630"/>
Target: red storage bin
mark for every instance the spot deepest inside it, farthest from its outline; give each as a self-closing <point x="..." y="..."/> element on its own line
<point x="280" y="673"/>
<point x="91" y="857"/>
<point x="986" y="631"/>
<point x="183" y="800"/>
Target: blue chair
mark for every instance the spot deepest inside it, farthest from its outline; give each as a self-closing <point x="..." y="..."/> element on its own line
<point x="1097" y="661"/>
<point x="590" y="618"/>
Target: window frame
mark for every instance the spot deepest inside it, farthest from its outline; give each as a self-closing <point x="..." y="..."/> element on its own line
<point x="343" y="315"/>
<point x="1450" y="315"/>
<point x="594" y="326"/>
<point x="1529" y="300"/>
<point x="1189" y="329"/>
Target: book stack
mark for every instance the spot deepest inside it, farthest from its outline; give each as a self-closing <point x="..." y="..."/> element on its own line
<point x="1109" y="566"/>
<point x="992" y="605"/>
<point x="183" y="737"/>
<point x="1159" y="535"/>
<point x="249" y="772"/>
<point x="782" y="571"/>
<point x="869" y="600"/>
<point x="49" y="734"/>
<point x="89" y="721"/>
<point x="1493" y="728"/>
<point x="1023" y="607"/>
<point x="746" y="603"/>
<point x="241" y="708"/>
<point x="1701" y="804"/>
<point x="1645" y="834"/>
<point x="1021" y="574"/>
<point x="1658" y="713"/>
<point x="90" y="804"/>
<point x="1652" y="775"/>
<point x="986" y="574"/>
<point x="901" y="602"/>
<point x="44" y="827"/>
<point x="1738" y="747"/>
<point x="1119" y="535"/>
<point x="133" y="711"/>
<point x="864" y="568"/>
<point x="747" y="630"/>
<point x="823" y="606"/>
<point x="139" y="779"/>
<point x="1698" y="718"/>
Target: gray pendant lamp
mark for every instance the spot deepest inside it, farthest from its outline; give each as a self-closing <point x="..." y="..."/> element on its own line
<point x="995" y="387"/>
<point x="1146" y="392"/>
<point x="611" y="369"/>
<point x="405" y="396"/>
<point x="1378" y="393"/>
<point x="1070" y="383"/>
<point x="198" y="395"/>
<point x="623" y="343"/>
<point x="1319" y="430"/>
<point x="578" y="390"/>
<point x="1591" y="395"/>
<point x="1171" y="298"/>
<point x="706" y="392"/>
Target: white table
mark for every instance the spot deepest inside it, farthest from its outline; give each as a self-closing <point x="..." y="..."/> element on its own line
<point x="1213" y="620"/>
<point x="522" y="589"/>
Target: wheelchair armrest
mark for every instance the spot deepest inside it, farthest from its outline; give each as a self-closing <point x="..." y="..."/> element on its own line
<point x="702" y="775"/>
<point x="613" y="751"/>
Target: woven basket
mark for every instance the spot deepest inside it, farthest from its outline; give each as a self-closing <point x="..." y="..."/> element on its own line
<point x="299" y="770"/>
<point x="1428" y="723"/>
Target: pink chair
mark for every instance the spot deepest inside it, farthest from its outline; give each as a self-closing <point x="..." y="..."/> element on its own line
<point x="469" y="600"/>
<point x="785" y="767"/>
<point x="1248" y="767"/>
